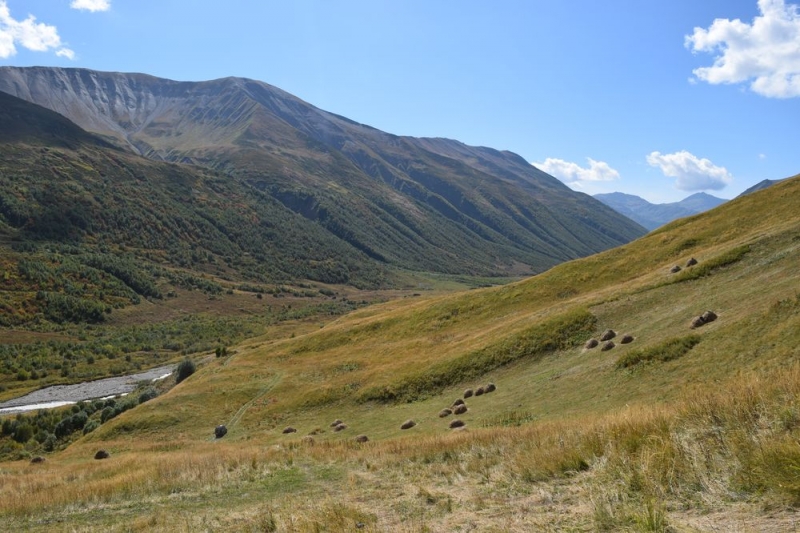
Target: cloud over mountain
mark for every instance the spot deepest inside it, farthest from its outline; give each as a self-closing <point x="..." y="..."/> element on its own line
<point x="573" y="173"/>
<point x="765" y="51"/>
<point x="691" y="173"/>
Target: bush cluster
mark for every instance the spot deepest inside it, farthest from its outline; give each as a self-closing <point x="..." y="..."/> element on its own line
<point x="46" y="430"/>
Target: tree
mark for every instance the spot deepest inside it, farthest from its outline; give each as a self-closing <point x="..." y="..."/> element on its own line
<point x="185" y="369"/>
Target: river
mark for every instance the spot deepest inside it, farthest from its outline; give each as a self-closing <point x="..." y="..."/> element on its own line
<point x="59" y="395"/>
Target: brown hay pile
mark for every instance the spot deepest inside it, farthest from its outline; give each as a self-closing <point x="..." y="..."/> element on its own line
<point x="460" y="409"/>
<point x="102" y="454"/>
<point x="220" y="431"/>
<point x="340" y="427"/>
<point x="288" y="430"/>
<point x="479" y="391"/>
<point x="608" y="335"/>
<point x="457" y="424"/>
<point x="468" y="393"/>
<point x="626" y="339"/>
<point x="675" y="269"/>
<point x="458" y="402"/>
<point x="444" y="413"/>
<point x="408" y="424"/>
<point x="362" y="438"/>
<point x="607" y="346"/>
<point x="336" y="423"/>
<point x="691" y="262"/>
<point x="490" y="388"/>
<point x="709" y="316"/>
<point x="591" y="343"/>
<point x="697" y="322"/>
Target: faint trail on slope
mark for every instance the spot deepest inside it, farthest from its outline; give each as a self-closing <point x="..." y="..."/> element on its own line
<point x="238" y="415"/>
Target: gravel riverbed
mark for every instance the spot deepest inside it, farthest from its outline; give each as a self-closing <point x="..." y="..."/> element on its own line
<point x="88" y="390"/>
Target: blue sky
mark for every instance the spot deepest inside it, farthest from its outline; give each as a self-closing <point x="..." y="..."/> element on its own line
<point x="653" y="98"/>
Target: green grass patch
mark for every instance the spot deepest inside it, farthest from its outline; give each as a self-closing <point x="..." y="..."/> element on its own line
<point x="706" y="268"/>
<point x="666" y="351"/>
<point x="559" y="333"/>
<point x="513" y="418"/>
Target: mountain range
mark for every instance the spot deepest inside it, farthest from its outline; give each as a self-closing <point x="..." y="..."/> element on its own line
<point x="420" y="204"/>
<point x="652" y="216"/>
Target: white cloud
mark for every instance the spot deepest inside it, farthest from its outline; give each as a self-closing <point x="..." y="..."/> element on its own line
<point x="65" y="52"/>
<point x="28" y="33"/>
<point x="91" y="5"/>
<point x="766" y="51"/>
<point x="691" y="172"/>
<point x="574" y="174"/>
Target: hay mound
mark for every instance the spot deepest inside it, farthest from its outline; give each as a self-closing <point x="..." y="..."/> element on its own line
<point x="408" y="424"/>
<point x="102" y="454"/>
<point x="608" y="335"/>
<point x="608" y="346"/>
<point x="697" y="322"/>
<point x="457" y="424"/>
<point x="591" y="343"/>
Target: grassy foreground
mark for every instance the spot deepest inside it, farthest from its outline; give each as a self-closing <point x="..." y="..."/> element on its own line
<point x="680" y="430"/>
<point x="715" y="457"/>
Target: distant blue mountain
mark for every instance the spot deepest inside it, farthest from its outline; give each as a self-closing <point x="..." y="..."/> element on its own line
<point x="652" y="216"/>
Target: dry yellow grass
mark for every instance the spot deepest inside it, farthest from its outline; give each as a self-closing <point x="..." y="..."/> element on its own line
<point x="713" y="450"/>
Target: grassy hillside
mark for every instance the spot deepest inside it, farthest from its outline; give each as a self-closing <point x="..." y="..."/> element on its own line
<point x="686" y="429"/>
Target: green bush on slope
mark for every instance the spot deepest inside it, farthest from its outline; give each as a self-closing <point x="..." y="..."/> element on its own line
<point x="559" y="333"/>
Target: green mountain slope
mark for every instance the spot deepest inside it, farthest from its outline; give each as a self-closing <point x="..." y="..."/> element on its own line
<point x="72" y="206"/>
<point x="419" y="204"/>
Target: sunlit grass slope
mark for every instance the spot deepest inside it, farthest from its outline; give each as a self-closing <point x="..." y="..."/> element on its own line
<point x="611" y="439"/>
<point x="408" y="357"/>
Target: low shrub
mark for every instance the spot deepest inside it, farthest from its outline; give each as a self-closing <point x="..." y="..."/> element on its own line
<point x="185" y="369"/>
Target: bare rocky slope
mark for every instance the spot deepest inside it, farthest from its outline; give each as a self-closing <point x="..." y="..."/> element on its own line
<point x="420" y="204"/>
